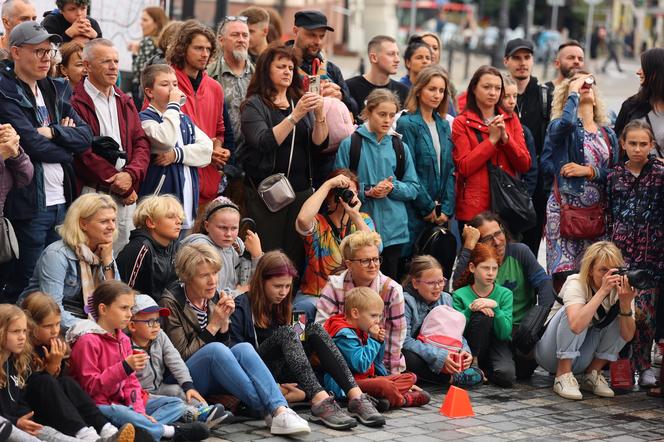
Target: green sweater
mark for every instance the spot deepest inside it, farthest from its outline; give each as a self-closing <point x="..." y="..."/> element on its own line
<point x="502" y="320"/>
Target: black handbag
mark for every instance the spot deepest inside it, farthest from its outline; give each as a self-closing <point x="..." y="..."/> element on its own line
<point x="439" y="242"/>
<point x="8" y="242"/>
<point x="531" y="329"/>
<point x="509" y="198"/>
<point x="108" y="149"/>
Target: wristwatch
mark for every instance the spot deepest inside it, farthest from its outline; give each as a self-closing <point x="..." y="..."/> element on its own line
<point x="291" y="119"/>
<point x="109" y="266"/>
<point x="629" y="313"/>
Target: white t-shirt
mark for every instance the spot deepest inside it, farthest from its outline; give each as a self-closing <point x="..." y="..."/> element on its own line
<point x="187" y="193"/>
<point x="436" y="140"/>
<point x="54" y="176"/>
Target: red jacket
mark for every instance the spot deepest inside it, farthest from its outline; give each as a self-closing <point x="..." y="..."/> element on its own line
<point x="206" y="109"/>
<point x="91" y="169"/>
<point x="470" y="158"/>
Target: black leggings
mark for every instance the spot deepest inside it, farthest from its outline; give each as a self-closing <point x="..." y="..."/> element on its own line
<point x="494" y="356"/>
<point x="288" y="358"/>
<point x="62" y="404"/>
<point x="415" y="364"/>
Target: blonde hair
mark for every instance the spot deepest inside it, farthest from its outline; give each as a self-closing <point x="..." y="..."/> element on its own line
<point x="156" y="207"/>
<point x="508" y="80"/>
<point x="604" y="252"/>
<point x="83" y="207"/>
<point x="192" y="256"/>
<point x="376" y="98"/>
<point x="23" y="361"/>
<point x="355" y="241"/>
<point x="362" y="298"/>
<point x="561" y="92"/>
<point x="423" y="78"/>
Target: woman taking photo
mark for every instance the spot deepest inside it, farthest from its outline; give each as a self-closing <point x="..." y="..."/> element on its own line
<point x="281" y="127"/>
<point x="323" y="232"/>
<point x="483" y="132"/>
<point x="579" y="149"/>
<point x="635" y="210"/>
<point x="198" y="327"/>
<point x="70" y="269"/>
<point x="263" y="319"/>
<point x="592" y="325"/>
<point x="153" y="20"/>
<point x="426" y="132"/>
<point x="417" y="56"/>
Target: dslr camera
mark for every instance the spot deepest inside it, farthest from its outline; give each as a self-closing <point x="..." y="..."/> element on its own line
<point x="638" y="278"/>
<point x="346" y="195"/>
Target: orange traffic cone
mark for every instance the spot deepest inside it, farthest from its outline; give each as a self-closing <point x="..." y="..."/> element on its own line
<point x="456" y="403"/>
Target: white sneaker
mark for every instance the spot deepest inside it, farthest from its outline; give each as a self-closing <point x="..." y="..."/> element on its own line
<point x="567" y="387"/>
<point x="648" y="378"/>
<point x="87" y="433"/>
<point x="108" y="430"/>
<point x="289" y="423"/>
<point x="595" y="382"/>
<point x="657" y="355"/>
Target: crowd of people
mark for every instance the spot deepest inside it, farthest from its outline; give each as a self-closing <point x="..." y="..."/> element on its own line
<point x="245" y="229"/>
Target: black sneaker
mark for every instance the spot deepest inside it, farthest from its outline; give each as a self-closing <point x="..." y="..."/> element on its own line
<point x="331" y="415"/>
<point x="364" y="411"/>
<point x="193" y="431"/>
<point x="381" y="404"/>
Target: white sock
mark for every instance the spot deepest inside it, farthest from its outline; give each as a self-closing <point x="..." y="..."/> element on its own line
<point x="108" y="430"/>
<point x="169" y="431"/>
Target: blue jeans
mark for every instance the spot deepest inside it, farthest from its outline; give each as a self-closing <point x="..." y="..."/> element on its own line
<point x="164" y="409"/>
<point x="239" y="371"/>
<point x="33" y="236"/>
<point x="307" y="304"/>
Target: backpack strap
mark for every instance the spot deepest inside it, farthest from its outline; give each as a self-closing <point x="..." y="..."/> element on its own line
<point x="355" y="151"/>
<point x="544" y="90"/>
<point x="397" y="145"/>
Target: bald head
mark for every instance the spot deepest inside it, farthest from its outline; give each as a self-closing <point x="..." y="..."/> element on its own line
<point x="15" y="12"/>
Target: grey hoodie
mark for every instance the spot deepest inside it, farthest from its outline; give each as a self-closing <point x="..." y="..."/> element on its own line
<point x="235" y="268"/>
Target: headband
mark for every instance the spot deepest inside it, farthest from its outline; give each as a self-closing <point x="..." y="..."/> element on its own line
<point x="219" y="207"/>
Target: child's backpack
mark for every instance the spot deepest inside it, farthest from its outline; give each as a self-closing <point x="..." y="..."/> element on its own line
<point x="443" y="327"/>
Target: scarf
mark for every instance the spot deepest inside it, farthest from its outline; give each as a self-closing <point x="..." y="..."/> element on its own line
<point x="90" y="266"/>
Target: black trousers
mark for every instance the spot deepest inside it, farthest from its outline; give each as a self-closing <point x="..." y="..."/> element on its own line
<point x="494" y="356"/>
<point x="390" y="265"/>
<point x="62" y="404"/>
<point x="415" y="364"/>
<point x="533" y="237"/>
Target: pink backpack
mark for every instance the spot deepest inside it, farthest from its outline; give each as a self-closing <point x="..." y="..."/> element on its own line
<point x="339" y="123"/>
<point x="443" y="327"/>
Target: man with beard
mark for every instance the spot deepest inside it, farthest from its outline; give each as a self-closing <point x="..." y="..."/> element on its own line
<point x="258" y="21"/>
<point x="384" y="60"/>
<point x="189" y="54"/>
<point x="570" y="57"/>
<point x="232" y="69"/>
<point x="310" y="29"/>
<point x="533" y="111"/>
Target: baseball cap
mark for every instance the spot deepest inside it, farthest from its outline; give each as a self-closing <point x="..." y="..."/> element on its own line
<point x="311" y="20"/>
<point x="31" y="33"/>
<point x="518" y="44"/>
<point x="145" y="304"/>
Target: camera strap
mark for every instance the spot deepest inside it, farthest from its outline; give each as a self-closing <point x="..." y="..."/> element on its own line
<point x="340" y="233"/>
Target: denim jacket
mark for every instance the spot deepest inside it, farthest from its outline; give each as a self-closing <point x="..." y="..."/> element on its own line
<point x="564" y="144"/>
<point x="416" y="310"/>
<point x="57" y="273"/>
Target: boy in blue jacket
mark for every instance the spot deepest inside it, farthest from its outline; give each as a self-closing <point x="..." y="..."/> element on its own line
<point x="359" y="337"/>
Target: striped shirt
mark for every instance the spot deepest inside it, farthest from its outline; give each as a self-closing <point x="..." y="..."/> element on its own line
<point x="201" y="314"/>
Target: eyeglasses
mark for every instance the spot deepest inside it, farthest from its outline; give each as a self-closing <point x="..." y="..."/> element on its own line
<point x="41" y="52"/>
<point x="434" y="282"/>
<point x="230" y="18"/>
<point x="366" y="262"/>
<point x="150" y="322"/>
<point x="492" y="237"/>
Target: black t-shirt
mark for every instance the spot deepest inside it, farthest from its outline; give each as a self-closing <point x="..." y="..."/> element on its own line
<point x="360" y="88"/>
<point x="55" y="23"/>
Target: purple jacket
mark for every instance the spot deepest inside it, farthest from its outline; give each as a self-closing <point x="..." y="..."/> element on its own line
<point x="14" y="172"/>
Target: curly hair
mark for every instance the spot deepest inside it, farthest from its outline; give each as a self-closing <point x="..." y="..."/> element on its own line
<point x="23" y="361"/>
<point x="561" y="93"/>
<point x="176" y="54"/>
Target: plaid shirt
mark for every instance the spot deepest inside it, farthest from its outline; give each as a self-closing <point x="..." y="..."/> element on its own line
<point x="331" y="302"/>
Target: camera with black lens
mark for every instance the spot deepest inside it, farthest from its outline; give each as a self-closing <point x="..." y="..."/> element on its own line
<point x="638" y="278"/>
<point x="345" y="195"/>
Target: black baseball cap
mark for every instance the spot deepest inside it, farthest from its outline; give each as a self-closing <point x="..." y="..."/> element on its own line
<point x="312" y="20"/>
<point x="516" y="45"/>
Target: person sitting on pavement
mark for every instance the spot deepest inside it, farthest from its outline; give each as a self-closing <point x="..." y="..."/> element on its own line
<point x="591" y="326"/>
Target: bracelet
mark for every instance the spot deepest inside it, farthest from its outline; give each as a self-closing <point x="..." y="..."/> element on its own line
<point x="321" y="121"/>
<point x="592" y="173"/>
<point x="629" y="313"/>
<point x="292" y="120"/>
<point x="109" y="266"/>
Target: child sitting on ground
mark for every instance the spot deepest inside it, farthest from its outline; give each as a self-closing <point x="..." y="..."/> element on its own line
<point x="147" y="336"/>
<point x="359" y="337"/>
<point x="147" y="262"/>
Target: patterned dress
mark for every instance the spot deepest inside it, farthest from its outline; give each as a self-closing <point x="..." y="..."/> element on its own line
<point x="564" y="254"/>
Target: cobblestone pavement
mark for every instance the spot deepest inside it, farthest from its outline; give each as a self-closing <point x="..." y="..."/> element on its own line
<point x="529" y="411"/>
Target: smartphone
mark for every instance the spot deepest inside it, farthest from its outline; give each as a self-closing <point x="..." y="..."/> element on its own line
<point x="314" y="84"/>
<point x="299" y="323"/>
<point x="439" y="209"/>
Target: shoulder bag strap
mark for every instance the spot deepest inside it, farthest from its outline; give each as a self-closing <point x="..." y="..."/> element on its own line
<point x="478" y="134"/>
<point x="292" y="145"/>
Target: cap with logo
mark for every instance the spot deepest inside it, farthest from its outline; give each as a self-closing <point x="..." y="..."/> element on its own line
<point x="311" y="20"/>
<point x="516" y="45"/>
<point x="145" y="304"/>
<point x="31" y="33"/>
